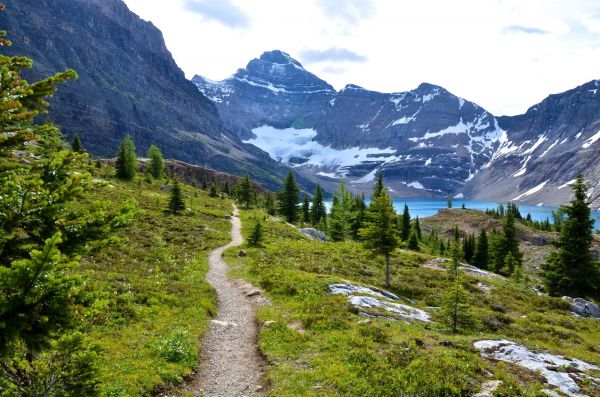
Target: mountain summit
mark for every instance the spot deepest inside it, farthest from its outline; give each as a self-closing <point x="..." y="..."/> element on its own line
<point x="427" y="141"/>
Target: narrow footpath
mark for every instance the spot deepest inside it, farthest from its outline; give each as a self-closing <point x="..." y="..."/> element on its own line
<point x="231" y="363"/>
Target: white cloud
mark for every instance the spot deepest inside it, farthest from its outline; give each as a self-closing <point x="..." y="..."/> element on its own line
<point x="461" y="45"/>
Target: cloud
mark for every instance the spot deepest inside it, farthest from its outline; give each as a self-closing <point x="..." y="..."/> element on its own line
<point x="222" y="11"/>
<point x="333" y="54"/>
<point x="348" y="10"/>
<point x="590" y="21"/>
<point x="523" y="29"/>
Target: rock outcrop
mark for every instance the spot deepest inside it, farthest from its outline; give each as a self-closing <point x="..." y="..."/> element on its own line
<point x="583" y="308"/>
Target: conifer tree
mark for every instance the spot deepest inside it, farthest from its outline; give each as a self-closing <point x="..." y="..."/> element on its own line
<point x="226" y="188"/>
<point x="270" y="204"/>
<point x="76" y="145"/>
<point x="377" y="187"/>
<point x="449" y="202"/>
<point x="126" y="164"/>
<point x="456" y="307"/>
<point x="481" y="255"/>
<point x="288" y="199"/>
<point x="43" y="233"/>
<point x="405" y="224"/>
<point x="245" y="191"/>
<point x="456" y="303"/>
<point x="418" y="229"/>
<point x="176" y="203"/>
<point x="156" y="163"/>
<point x="413" y="241"/>
<point x="358" y="208"/>
<point x="506" y="243"/>
<point x="204" y="183"/>
<point x="570" y="270"/>
<point x="306" y="209"/>
<point x="255" y="239"/>
<point x="213" y="192"/>
<point x="318" y="212"/>
<point x="341" y="217"/>
<point x="379" y="232"/>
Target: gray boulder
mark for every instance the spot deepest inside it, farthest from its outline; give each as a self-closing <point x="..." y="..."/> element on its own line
<point x="583" y="308"/>
<point x="314" y="233"/>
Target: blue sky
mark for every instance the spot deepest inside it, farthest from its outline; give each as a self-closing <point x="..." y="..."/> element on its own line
<point x="505" y="55"/>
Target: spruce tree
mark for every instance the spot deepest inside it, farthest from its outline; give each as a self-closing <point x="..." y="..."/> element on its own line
<point x="570" y="270"/>
<point x="456" y="307"/>
<point x="245" y="191"/>
<point x="126" y="164"/>
<point x="76" y="145"/>
<point x="456" y="303"/>
<point x="377" y="187"/>
<point x="306" y="209"/>
<point x="44" y="231"/>
<point x="213" y="192"/>
<point x="204" y="183"/>
<point x="358" y="208"/>
<point x="226" y="188"/>
<point x="255" y="239"/>
<point x="176" y="203"/>
<point x="288" y="199"/>
<point x="405" y="224"/>
<point x="379" y="232"/>
<point x="156" y="163"/>
<point x="413" y="241"/>
<point x="418" y="229"/>
<point x="449" y="202"/>
<point x="318" y="212"/>
<point x="341" y="217"/>
<point x="270" y="204"/>
<point x="481" y="255"/>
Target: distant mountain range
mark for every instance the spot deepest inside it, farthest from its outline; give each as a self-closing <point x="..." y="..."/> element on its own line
<point x="427" y="142"/>
<point x="274" y="114"/>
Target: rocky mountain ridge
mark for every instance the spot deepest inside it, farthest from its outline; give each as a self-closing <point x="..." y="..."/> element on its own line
<point x="427" y="141"/>
<point x="128" y="84"/>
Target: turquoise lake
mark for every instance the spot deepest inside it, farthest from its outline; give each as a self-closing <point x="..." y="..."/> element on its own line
<point x="428" y="207"/>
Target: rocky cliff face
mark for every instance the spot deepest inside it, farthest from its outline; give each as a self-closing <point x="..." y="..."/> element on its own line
<point x="428" y="142"/>
<point x="542" y="151"/>
<point x="128" y="84"/>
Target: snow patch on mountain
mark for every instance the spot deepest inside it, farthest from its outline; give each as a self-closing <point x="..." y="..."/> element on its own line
<point x="531" y="191"/>
<point x="297" y="147"/>
<point x="591" y="141"/>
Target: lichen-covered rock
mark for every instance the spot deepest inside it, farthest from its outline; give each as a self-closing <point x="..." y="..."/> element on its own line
<point x="350" y="289"/>
<point x="377" y="299"/>
<point x="314" y="233"/>
<point x="546" y="364"/>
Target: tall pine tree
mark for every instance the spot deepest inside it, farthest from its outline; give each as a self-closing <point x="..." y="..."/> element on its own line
<point x="176" y="204"/>
<point x="342" y="215"/>
<point x="379" y="232"/>
<point x="405" y="224"/>
<point x="156" y="163"/>
<point x="481" y="256"/>
<point x="126" y="164"/>
<point x="288" y="199"/>
<point x="318" y="212"/>
<point x="570" y="270"/>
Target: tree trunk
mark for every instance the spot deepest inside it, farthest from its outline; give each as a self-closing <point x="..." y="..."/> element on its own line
<point x="387" y="270"/>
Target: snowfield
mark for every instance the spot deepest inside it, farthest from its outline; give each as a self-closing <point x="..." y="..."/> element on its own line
<point x="290" y="143"/>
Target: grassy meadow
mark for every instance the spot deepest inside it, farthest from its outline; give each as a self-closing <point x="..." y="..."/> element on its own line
<point x="317" y="345"/>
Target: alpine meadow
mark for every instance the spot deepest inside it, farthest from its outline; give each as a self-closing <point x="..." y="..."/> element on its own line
<point x="282" y="233"/>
